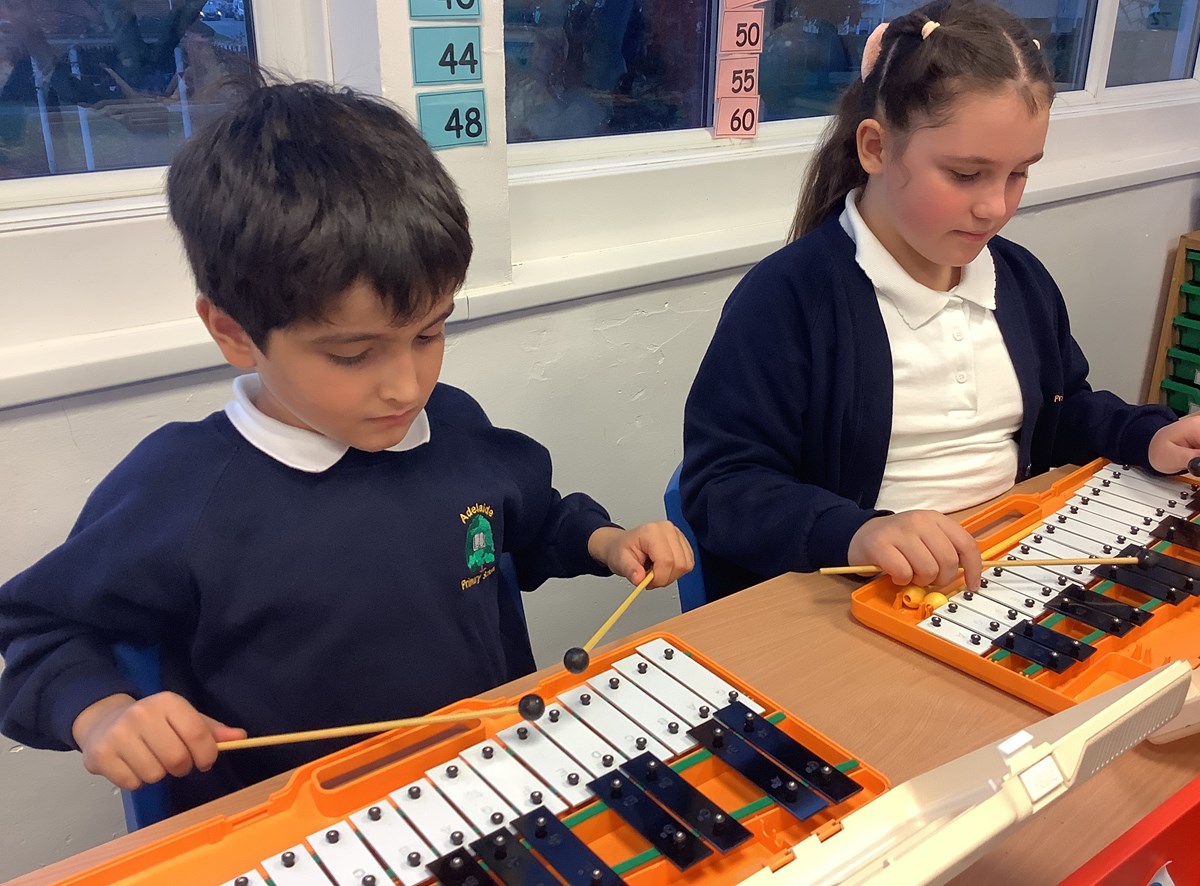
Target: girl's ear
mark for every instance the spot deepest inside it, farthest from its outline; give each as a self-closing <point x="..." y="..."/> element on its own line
<point x="235" y="344"/>
<point x="870" y="141"/>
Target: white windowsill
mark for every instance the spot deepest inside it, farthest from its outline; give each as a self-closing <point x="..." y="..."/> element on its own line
<point x="709" y="238"/>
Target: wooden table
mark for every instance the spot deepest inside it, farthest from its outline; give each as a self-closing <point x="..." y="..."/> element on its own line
<point x="904" y="713"/>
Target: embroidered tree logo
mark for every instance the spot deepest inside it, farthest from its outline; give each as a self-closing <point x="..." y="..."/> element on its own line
<point x="481" y="550"/>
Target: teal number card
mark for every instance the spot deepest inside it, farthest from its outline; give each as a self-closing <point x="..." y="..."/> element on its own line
<point x="446" y="55"/>
<point x="434" y="9"/>
<point x="450" y="119"/>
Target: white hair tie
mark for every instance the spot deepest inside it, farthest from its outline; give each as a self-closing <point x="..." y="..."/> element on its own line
<point x="1037" y="44"/>
<point x="928" y="28"/>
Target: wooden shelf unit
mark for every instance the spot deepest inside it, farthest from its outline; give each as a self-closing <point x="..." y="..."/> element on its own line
<point x="1172" y="307"/>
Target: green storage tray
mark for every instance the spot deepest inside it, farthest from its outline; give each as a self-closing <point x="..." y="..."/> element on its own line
<point x="1191" y="297"/>
<point x="1183" y="398"/>
<point x="1193" y="258"/>
<point x="1189" y="332"/>
<point x="1184" y="365"/>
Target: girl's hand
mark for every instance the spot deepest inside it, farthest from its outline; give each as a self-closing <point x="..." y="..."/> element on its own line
<point x="917" y="547"/>
<point x="1175" y="445"/>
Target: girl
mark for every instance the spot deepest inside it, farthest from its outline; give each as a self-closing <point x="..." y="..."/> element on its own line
<point x="898" y="360"/>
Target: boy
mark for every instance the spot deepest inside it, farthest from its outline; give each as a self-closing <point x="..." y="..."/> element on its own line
<point x="325" y="551"/>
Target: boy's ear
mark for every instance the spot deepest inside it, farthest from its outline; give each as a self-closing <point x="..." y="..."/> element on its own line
<point x="231" y="338"/>
<point x="870" y="141"/>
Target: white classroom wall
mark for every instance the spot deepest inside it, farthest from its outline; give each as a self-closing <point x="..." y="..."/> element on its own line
<point x="600" y="381"/>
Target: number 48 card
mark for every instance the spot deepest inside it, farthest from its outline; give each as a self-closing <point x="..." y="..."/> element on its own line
<point x="450" y="119"/>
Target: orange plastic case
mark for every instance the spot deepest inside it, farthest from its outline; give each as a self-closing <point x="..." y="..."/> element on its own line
<point x="326" y="791"/>
<point x="1169" y="636"/>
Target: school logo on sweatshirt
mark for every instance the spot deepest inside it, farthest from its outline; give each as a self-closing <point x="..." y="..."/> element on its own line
<point x="480" y="543"/>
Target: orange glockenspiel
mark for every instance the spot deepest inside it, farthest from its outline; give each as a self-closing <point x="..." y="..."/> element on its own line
<point x="654" y="766"/>
<point x="1055" y="636"/>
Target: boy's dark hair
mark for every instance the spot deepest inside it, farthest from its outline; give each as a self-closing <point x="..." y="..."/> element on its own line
<point x="978" y="48"/>
<point x="301" y="190"/>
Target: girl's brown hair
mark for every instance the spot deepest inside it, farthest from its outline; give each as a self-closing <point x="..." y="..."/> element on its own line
<point x="977" y="48"/>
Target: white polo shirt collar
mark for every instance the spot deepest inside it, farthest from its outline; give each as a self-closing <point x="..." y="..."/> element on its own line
<point x="298" y="448"/>
<point x="916" y="303"/>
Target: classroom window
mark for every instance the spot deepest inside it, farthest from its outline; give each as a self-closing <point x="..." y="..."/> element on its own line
<point x="1154" y="40"/>
<point x="603" y="67"/>
<point x="89" y="85"/>
<point x="813" y="48"/>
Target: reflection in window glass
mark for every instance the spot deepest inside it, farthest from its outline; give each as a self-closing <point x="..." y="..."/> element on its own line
<point x="578" y="68"/>
<point x="813" y="48"/>
<point x="1155" y="40"/>
<point x="112" y="84"/>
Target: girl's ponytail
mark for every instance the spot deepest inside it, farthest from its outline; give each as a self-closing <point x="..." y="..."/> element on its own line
<point x="834" y="170"/>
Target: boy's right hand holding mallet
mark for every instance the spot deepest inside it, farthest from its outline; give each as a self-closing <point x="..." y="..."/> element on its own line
<point x="137" y="742"/>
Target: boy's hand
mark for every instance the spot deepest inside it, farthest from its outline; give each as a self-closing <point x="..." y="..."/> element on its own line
<point x="917" y="547"/>
<point x="1175" y="445"/>
<point x="628" y="552"/>
<point x="132" y="743"/>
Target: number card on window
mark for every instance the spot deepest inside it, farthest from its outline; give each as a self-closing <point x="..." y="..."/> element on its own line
<point x="450" y="119"/>
<point x="737" y="76"/>
<point x="739" y="43"/>
<point x="431" y="9"/>
<point x="737" y="117"/>
<point x="446" y="55"/>
<point x="741" y="31"/>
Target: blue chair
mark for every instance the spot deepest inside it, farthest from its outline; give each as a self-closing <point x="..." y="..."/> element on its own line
<point x="691" y="586"/>
<point x="152" y="802"/>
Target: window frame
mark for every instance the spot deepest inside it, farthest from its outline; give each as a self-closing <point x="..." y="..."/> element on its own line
<point x="289" y="36"/>
<point x="731" y="201"/>
<point x="540" y="172"/>
<point x="293" y="38"/>
<point x="1111" y="9"/>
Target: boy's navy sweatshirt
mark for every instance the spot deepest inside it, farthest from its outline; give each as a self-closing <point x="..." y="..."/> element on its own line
<point x="787" y="425"/>
<point x="284" y="600"/>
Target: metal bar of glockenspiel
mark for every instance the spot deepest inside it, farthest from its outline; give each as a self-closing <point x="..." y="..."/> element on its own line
<point x="988" y="564"/>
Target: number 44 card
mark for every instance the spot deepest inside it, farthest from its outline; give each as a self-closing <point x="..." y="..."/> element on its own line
<point x="446" y="55"/>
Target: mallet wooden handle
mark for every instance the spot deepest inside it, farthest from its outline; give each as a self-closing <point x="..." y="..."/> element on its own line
<point x="612" y="619"/>
<point x="263" y="741"/>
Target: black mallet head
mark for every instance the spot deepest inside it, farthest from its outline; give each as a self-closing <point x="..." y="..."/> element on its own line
<point x="576" y="660"/>
<point x="531" y="706"/>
